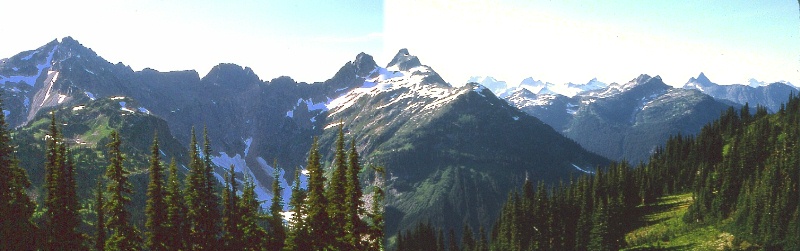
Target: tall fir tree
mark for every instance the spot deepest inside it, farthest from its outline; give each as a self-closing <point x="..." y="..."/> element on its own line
<point x="124" y="235"/>
<point x="298" y="237"/>
<point x="200" y="200"/>
<point x="177" y="232"/>
<point x="16" y="208"/>
<point x="156" y="208"/>
<point x="319" y="221"/>
<point x="61" y="216"/>
<point x="375" y="215"/>
<point x="231" y="215"/>
<point x="277" y="232"/>
<point x="354" y="226"/>
<point x="336" y="193"/>
<point x="100" y="223"/>
<point x="253" y="235"/>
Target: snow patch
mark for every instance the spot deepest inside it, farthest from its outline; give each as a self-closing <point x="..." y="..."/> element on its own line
<point x="6" y="112"/>
<point x="51" y="79"/>
<point x="247" y="143"/>
<point x="29" y="56"/>
<point x="31" y="80"/>
<point x="61" y="98"/>
<point x="144" y="110"/>
<point x="582" y="170"/>
<point x="515" y="118"/>
<point x="78" y="108"/>
<point x="117" y="97"/>
<point x="90" y="95"/>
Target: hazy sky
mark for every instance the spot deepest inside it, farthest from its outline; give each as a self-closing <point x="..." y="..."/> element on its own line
<point x="557" y="41"/>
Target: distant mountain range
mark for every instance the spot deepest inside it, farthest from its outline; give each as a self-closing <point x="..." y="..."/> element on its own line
<point x="452" y="153"/>
<point x="629" y="121"/>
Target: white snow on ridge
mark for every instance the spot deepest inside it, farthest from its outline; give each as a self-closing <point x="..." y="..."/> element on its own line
<point x="247" y="143"/>
<point x="51" y="79"/>
<point x="31" y="80"/>
<point x="239" y="165"/>
<point x="582" y="170"/>
<point x="310" y="105"/>
<point x="29" y="56"/>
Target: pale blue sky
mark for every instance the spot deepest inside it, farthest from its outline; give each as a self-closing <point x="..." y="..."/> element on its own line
<point x="557" y="41"/>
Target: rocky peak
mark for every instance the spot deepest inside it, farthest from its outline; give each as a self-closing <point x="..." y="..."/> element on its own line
<point x="404" y="61"/>
<point x="364" y="64"/>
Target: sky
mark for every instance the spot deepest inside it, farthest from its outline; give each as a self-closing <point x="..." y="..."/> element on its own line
<point x="555" y="41"/>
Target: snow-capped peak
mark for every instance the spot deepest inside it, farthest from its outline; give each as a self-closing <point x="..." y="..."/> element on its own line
<point x="403" y="61"/>
<point x="496" y="86"/>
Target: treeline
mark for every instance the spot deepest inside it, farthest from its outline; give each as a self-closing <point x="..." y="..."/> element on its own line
<point x="741" y="169"/>
<point x="187" y="212"/>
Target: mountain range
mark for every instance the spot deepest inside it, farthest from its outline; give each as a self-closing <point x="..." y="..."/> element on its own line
<point x="630" y="121"/>
<point x="452" y="154"/>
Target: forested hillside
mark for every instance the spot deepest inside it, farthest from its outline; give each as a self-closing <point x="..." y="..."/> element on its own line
<point x="742" y="171"/>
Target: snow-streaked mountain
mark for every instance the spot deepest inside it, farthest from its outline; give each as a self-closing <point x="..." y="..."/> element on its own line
<point x="502" y="89"/>
<point x="623" y="120"/>
<point x="469" y="147"/>
<point x="770" y="95"/>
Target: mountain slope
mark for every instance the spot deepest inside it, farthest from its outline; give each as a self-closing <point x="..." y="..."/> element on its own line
<point x="769" y="95"/>
<point x="449" y="151"/>
<point x="622" y="121"/>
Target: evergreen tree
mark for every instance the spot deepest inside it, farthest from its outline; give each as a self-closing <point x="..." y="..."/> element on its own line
<point x="253" y="236"/>
<point x="298" y="237"/>
<point x="354" y="226"/>
<point x="16" y="208"/>
<point x="277" y="233"/>
<point x="319" y="222"/>
<point x="375" y="215"/>
<point x="123" y="234"/>
<point x="61" y="216"/>
<point x="231" y="215"/>
<point x="467" y="239"/>
<point x="100" y="224"/>
<point x="201" y="211"/>
<point x="599" y="238"/>
<point x="336" y="193"/>
<point x="453" y="244"/>
<point x="177" y="232"/>
<point x="156" y="208"/>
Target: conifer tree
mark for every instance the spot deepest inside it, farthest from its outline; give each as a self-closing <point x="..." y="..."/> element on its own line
<point x="375" y="215"/>
<point x="253" y="236"/>
<point x="177" y="233"/>
<point x="16" y="208"/>
<point x="298" y="236"/>
<point x="100" y="224"/>
<point x="599" y="237"/>
<point x="200" y="199"/>
<point x="319" y="222"/>
<point x="231" y="217"/>
<point x="123" y="234"/>
<point x="277" y="233"/>
<point x="451" y="236"/>
<point x="467" y="239"/>
<point x="61" y="217"/>
<point x="336" y="193"/>
<point x="156" y="208"/>
<point x="354" y="226"/>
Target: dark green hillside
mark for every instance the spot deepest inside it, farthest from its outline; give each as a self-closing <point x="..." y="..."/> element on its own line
<point x="456" y="165"/>
<point x="86" y="129"/>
